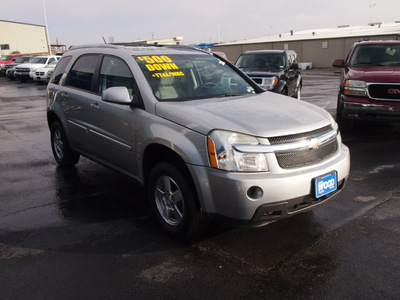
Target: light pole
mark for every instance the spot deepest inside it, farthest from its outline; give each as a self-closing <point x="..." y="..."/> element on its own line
<point x="47" y="28"/>
<point x="219" y="33"/>
<point x="372" y="6"/>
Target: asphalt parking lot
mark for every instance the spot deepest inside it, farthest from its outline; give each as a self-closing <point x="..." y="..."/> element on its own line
<point x="84" y="233"/>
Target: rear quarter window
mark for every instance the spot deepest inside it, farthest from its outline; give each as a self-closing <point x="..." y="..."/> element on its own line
<point x="60" y="69"/>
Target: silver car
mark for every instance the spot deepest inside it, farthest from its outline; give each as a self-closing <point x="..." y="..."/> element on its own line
<point x="202" y="137"/>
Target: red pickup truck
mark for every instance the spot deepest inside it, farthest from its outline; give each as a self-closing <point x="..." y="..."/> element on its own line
<point x="8" y="59"/>
<point x="369" y="83"/>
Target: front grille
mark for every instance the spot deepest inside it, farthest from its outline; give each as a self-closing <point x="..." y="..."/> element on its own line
<point x="297" y="159"/>
<point x="257" y="80"/>
<point x="380" y="91"/>
<point x="300" y="158"/>
<point x="23" y="70"/>
<point x="39" y="73"/>
<point x="300" y="136"/>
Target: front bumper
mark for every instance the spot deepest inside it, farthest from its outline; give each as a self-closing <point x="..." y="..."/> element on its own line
<point x="369" y="111"/>
<point x="254" y="199"/>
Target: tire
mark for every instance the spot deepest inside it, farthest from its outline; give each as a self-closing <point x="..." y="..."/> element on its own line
<point x="172" y="201"/>
<point x="345" y="125"/>
<point x="63" y="154"/>
<point x="298" y="93"/>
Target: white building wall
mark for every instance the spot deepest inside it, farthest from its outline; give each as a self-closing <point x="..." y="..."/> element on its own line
<point x="25" y="38"/>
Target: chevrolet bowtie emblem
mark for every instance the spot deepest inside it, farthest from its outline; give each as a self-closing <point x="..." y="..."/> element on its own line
<point x="314" y="144"/>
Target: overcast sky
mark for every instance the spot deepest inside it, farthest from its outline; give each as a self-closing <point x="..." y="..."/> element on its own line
<point x="73" y="22"/>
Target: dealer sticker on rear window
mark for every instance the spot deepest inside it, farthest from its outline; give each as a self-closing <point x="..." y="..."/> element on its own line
<point x="325" y="184"/>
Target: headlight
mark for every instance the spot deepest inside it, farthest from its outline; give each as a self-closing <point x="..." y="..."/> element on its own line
<point x="223" y="154"/>
<point x="355" y="87"/>
<point x="269" y="83"/>
<point x="336" y="127"/>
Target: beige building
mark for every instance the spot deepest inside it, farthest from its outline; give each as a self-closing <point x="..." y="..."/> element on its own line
<point x="23" y="38"/>
<point x="319" y="46"/>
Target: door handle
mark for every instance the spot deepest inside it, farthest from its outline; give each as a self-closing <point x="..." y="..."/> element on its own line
<point x="95" y="106"/>
<point x="64" y="95"/>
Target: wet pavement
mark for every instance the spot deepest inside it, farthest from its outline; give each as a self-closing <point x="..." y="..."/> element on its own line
<point x="84" y="233"/>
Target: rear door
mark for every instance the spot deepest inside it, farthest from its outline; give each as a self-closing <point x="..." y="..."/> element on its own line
<point x="76" y="97"/>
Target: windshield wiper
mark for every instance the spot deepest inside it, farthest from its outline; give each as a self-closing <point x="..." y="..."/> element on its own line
<point x="232" y="95"/>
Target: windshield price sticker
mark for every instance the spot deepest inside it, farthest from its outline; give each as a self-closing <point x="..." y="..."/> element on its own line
<point x="325" y="185"/>
<point x="161" y="63"/>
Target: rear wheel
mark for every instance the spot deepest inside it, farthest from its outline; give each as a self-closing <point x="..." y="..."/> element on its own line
<point x="63" y="154"/>
<point x="172" y="200"/>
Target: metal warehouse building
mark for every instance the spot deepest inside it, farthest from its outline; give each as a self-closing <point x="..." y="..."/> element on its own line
<point x="23" y="38"/>
<point x="319" y="46"/>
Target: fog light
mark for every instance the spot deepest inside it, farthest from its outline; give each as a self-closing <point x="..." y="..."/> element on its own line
<point x="255" y="193"/>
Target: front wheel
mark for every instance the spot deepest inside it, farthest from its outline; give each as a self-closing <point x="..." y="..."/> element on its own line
<point x="298" y="93"/>
<point x="172" y="200"/>
<point x="63" y="154"/>
<point x="345" y="125"/>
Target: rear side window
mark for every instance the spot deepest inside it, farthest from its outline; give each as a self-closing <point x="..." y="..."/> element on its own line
<point x="81" y="74"/>
<point x="60" y="69"/>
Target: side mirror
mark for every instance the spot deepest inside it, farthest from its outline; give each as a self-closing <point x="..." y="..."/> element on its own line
<point x="294" y="65"/>
<point x="118" y="95"/>
<point x="339" y="63"/>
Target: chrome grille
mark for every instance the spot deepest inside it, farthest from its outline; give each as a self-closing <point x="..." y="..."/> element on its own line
<point x="300" y="158"/>
<point x="297" y="159"/>
<point x="298" y="137"/>
<point x="24" y="70"/>
<point x="384" y="91"/>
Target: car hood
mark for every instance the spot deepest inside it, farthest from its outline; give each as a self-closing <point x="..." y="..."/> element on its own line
<point x="30" y="66"/>
<point x="374" y="74"/>
<point x="263" y="115"/>
<point x="262" y="72"/>
<point x="14" y="64"/>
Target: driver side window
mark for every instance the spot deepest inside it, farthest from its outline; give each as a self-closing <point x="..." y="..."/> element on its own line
<point x="115" y="72"/>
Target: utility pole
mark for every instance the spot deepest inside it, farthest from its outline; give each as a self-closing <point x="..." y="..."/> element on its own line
<point x="219" y="33"/>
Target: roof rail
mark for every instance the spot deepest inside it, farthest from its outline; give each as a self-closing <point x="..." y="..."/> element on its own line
<point x="127" y="46"/>
<point x="93" y="46"/>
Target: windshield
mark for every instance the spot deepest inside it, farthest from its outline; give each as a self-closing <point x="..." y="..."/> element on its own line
<point x="51" y="65"/>
<point x="188" y="77"/>
<point x="376" y="55"/>
<point x="38" y="60"/>
<point x="6" y="58"/>
<point x="263" y="61"/>
<point x="20" y="59"/>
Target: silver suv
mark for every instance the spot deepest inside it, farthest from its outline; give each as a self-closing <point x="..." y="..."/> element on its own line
<point x="203" y="138"/>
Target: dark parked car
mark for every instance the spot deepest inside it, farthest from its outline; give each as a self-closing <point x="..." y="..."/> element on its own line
<point x="274" y="70"/>
<point x="369" y="83"/>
